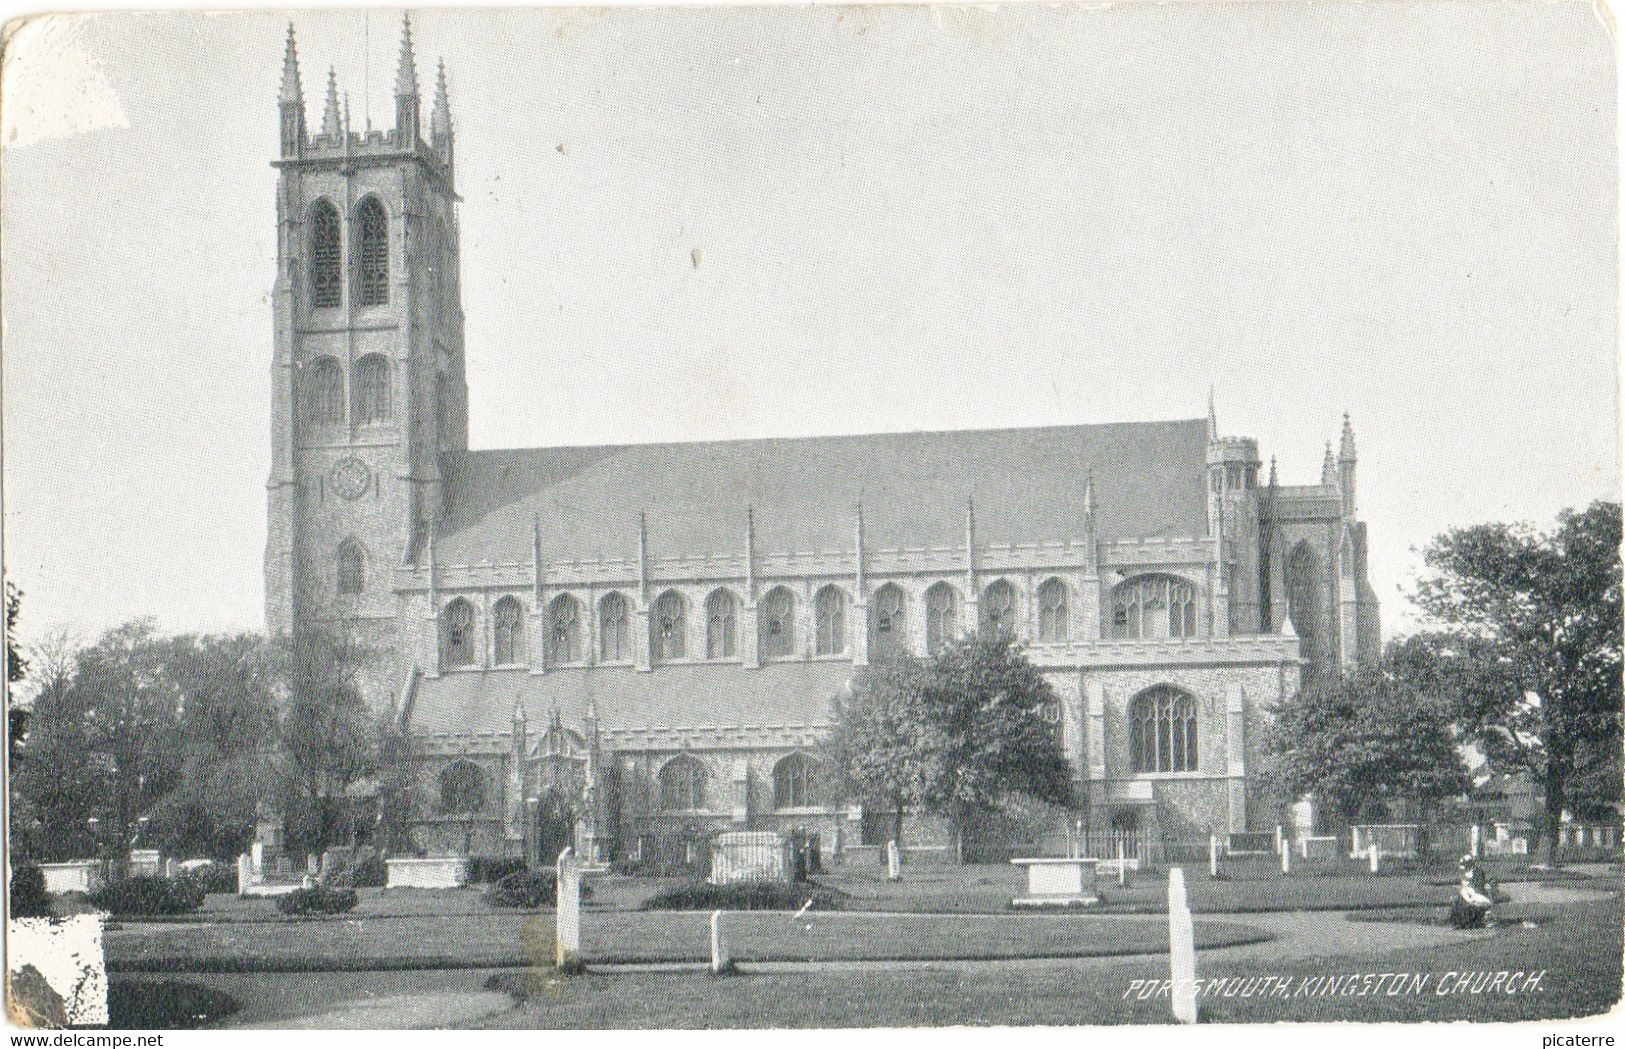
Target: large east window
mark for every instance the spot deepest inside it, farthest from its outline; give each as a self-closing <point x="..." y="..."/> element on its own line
<point x="1162" y="723"/>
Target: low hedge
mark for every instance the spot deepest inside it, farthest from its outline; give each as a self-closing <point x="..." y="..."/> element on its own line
<point x="527" y="889"/>
<point x="214" y="877"/>
<point x="148" y="894"/>
<point x="318" y="900"/>
<point x="492" y="869"/>
<point x="743" y="896"/>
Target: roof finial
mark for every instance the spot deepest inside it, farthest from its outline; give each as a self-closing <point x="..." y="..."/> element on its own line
<point x="330" y="115"/>
<point x="292" y="92"/>
<point x="1089" y="492"/>
<point x="406" y="75"/>
<point x="1328" y="467"/>
<point x="1272" y="472"/>
<point x="1212" y="415"/>
<point x="1346" y="452"/>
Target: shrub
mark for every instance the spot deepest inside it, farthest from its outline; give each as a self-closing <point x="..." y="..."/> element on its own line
<point x="492" y="869"/>
<point x="28" y="896"/>
<point x="743" y="896"/>
<point x="368" y="872"/>
<point x="213" y="877"/>
<point x="319" y="900"/>
<point x="147" y="894"/>
<point x="529" y="889"/>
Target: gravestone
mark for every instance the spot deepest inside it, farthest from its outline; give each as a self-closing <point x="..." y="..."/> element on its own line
<point x="741" y="855"/>
<point x="894" y="862"/>
<point x="722" y="962"/>
<point x="567" y="915"/>
<point x="1212" y="855"/>
<point x="1375" y="861"/>
<point x="1286" y="857"/>
<point x="1181" y="949"/>
<point x="1478" y="842"/>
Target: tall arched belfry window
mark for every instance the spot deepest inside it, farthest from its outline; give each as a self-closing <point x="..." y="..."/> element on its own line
<point x="324" y="392"/>
<point x="371" y="389"/>
<point x="1154" y="606"/>
<point x="1162" y="724"/>
<point x="326" y="271"/>
<point x="508" y="631"/>
<point x="371" y="254"/>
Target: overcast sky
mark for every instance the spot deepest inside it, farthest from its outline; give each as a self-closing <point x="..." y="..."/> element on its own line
<point x="905" y="219"/>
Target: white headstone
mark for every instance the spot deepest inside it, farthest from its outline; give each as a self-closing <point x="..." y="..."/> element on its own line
<point x="1122" y="864"/>
<point x="567" y="915"/>
<point x="1286" y="857"/>
<point x="1181" y="949"/>
<point x="1478" y="841"/>
<point x="894" y="861"/>
<point x="1213" y="855"/>
<point x="721" y="961"/>
<point x="1375" y="862"/>
<point x="1277" y="837"/>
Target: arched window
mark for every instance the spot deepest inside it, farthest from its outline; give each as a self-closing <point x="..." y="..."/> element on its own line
<point x="941" y="617"/>
<point x="352" y="567"/>
<point x="669" y="629"/>
<point x="888" y="638"/>
<point x="1162" y="724"/>
<point x="326" y="271"/>
<point x="508" y="631"/>
<point x="793" y="780"/>
<point x="829" y="609"/>
<point x="999" y="611"/>
<point x="324" y="392"/>
<point x="1303" y="588"/>
<point x="371" y="390"/>
<point x="457" y="634"/>
<point x="613" y="646"/>
<point x="1154" y="606"/>
<point x="682" y="783"/>
<point x="721" y="625"/>
<point x="1053" y="623"/>
<point x="776" y="630"/>
<point x="564" y="631"/>
<point x="371" y="256"/>
<point x="462" y="788"/>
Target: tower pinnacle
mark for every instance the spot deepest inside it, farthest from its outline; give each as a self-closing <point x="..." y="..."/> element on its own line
<point x="1328" y="467"/>
<point x="1345" y="452"/>
<point x="292" y="92"/>
<point x="440" y="116"/>
<point x="331" y="121"/>
<point x="406" y="90"/>
<point x="1212" y="416"/>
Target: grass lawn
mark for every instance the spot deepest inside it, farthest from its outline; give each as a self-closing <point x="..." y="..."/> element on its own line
<point x="1579" y="948"/>
<point x="503" y="939"/>
<point x="973" y="889"/>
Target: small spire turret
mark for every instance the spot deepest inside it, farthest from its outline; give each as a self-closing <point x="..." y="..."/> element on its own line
<point x="440" y="116"/>
<point x="1212" y="417"/>
<point x="291" y="101"/>
<point x="1328" y="467"/>
<point x="1345" y="466"/>
<point x="332" y="122"/>
<point x="406" y="88"/>
<point x="1345" y="452"/>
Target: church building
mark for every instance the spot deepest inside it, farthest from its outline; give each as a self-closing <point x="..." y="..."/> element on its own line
<point x="648" y="637"/>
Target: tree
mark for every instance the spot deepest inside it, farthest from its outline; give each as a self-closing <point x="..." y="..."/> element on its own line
<point x="102" y="743"/>
<point x="1527" y="643"/>
<point x="329" y="740"/>
<point x="227" y="686"/>
<point x="955" y="736"/>
<point x="1359" y="740"/>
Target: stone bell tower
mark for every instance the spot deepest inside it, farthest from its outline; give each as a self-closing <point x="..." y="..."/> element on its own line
<point x="368" y="387"/>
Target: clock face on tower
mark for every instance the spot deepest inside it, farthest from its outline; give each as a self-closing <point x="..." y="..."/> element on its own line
<point x="350" y="478"/>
